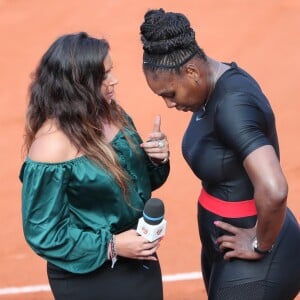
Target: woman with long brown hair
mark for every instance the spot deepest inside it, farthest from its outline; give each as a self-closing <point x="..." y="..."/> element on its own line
<point x="86" y="177"/>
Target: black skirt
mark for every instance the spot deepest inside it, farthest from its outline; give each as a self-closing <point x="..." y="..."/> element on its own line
<point x="129" y="279"/>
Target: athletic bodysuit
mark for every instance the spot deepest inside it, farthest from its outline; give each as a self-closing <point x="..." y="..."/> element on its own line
<point x="237" y="120"/>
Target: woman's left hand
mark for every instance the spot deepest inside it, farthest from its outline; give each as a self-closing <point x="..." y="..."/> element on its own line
<point x="238" y="245"/>
<point x="157" y="146"/>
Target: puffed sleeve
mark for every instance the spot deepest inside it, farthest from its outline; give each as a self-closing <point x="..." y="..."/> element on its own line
<point x="46" y="220"/>
<point x="244" y="122"/>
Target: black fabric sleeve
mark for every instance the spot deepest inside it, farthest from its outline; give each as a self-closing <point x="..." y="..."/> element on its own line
<point x="240" y="123"/>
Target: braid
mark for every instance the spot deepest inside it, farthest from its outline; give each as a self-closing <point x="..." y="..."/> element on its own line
<point x="168" y="40"/>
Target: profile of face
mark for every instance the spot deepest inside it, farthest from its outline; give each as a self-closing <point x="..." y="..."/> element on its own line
<point x="108" y="84"/>
<point x="185" y="91"/>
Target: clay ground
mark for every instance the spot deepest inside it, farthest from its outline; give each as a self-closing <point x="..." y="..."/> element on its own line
<point x="262" y="36"/>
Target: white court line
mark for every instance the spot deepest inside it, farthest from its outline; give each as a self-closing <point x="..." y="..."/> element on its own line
<point x="182" y="276"/>
<point x="46" y="288"/>
<point x="25" y="289"/>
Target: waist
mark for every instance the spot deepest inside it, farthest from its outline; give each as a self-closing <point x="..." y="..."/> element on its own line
<point x="227" y="209"/>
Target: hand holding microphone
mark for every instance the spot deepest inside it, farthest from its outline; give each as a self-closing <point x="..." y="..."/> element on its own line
<point x="152" y="225"/>
<point x="143" y="242"/>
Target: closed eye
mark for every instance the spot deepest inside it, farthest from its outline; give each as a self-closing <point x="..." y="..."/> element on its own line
<point x="170" y="95"/>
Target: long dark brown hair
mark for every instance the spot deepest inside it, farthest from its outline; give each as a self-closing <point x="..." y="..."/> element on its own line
<point x="66" y="88"/>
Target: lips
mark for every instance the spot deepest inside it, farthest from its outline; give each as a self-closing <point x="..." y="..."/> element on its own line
<point x="110" y="94"/>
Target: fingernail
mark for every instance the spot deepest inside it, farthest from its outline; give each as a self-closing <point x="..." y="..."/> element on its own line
<point x="216" y="222"/>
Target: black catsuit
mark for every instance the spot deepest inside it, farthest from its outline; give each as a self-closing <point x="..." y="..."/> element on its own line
<point x="238" y="119"/>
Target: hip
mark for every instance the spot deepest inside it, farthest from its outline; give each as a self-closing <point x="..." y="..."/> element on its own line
<point x="108" y="283"/>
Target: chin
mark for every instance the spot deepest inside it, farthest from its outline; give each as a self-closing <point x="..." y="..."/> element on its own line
<point x="109" y="100"/>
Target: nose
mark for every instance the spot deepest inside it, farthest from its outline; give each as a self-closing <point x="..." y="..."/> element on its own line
<point x="169" y="103"/>
<point x="112" y="80"/>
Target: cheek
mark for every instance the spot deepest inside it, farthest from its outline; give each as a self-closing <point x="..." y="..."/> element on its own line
<point x="103" y="91"/>
<point x="103" y="88"/>
<point x="183" y="96"/>
<point x="184" y="92"/>
<point x="194" y="94"/>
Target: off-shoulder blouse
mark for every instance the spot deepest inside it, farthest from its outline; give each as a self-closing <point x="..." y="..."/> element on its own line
<point x="71" y="209"/>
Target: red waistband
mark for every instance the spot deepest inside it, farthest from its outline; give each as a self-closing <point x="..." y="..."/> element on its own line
<point x="227" y="209"/>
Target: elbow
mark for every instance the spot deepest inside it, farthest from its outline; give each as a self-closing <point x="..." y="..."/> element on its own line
<point x="33" y="244"/>
<point x="275" y="196"/>
<point x="37" y="237"/>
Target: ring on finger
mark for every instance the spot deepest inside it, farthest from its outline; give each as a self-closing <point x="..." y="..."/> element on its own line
<point x="161" y="144"/>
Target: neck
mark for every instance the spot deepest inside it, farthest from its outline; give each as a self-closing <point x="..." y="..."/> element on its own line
<point x="214" y="74"/>
<point x="215" y="71"/>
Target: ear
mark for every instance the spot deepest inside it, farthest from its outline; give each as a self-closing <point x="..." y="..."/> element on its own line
<point x="192" y="72"/>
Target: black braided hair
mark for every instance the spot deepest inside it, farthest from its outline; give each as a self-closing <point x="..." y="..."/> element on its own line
<point x="168" y="40"/>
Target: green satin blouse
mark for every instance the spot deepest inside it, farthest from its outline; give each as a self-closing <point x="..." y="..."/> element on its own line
<point x="71" y="209"/>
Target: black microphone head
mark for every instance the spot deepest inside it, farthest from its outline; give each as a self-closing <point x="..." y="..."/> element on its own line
<point x="154" y="211"/>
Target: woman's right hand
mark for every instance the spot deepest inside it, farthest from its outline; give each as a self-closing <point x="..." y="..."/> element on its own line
<point x="239" y="244"/>
<point x="130" y="244"/>
<point x="157" y="146"/>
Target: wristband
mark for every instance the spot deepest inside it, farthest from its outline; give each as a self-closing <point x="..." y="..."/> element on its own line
<point x="112" y="251"/>
<point x="260" y="251"/>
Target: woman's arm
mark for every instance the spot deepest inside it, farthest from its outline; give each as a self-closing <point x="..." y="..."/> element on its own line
<point x="270" y="193"/>
<point x="246" y="124"/>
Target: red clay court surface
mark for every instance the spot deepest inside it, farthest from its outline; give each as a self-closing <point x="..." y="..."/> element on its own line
<point x="262" y="36"/>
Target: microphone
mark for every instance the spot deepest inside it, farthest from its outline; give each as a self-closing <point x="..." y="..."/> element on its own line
<point x="152" y="224"/>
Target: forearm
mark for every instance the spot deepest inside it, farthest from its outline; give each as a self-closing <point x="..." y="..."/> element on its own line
<point x="270" y="219"/>
<point x="270" y="193"/>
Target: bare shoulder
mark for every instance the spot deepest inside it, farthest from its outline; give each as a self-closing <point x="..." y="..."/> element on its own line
<point x="52" y="145"/>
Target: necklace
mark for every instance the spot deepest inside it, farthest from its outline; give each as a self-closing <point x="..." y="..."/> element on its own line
<point x="201" y="113"/>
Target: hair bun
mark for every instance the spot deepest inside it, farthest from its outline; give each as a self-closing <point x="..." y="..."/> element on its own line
<point x="163" y="33"/>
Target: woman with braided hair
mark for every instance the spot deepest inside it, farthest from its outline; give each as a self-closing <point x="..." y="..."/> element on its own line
<point x="250" y="239"/>
<point x="87" y="176"/>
